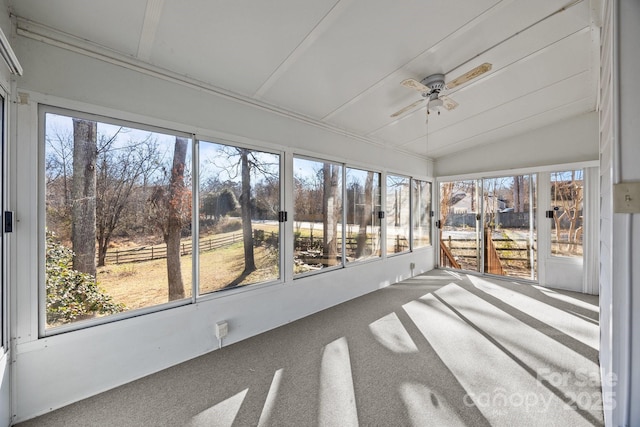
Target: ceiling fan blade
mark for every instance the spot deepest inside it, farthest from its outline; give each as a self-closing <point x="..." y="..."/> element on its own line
<point x="469" y="75"/>
<point x="448" y="103"/>
<point x="415" y="85"/>
<point x="407" y="108"/>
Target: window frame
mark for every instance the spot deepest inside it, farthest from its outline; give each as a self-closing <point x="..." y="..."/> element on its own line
<point x="386" y="222"/>
<point x="199" y="138"/>
<point x="142" y="125"/>
<point x="43" y="331"/>
<point x="4" y="244"/>
<point x="341" y="233"/>
<point x="381" y="220"/>
<point x="563" y="256"/>
<point x="430" y="214"/>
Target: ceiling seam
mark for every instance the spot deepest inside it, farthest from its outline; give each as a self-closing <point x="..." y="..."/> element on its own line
<point x="502" y="104"/>
<point x="576" y="102"/>
<point x="53" y="37"/>
<point x="149" y="27"/>
<point x="461" y="29"/>
<point x="489" y="76"/>
<point x="323" y="25"/>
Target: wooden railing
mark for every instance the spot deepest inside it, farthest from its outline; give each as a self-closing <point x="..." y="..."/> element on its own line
<point x="492" y="262"/>
<point x="446" y="257"/>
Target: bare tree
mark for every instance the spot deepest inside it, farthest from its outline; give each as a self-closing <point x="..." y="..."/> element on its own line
<point x="519" y="193"/>
<point x="170" y="209"/>
<point x="446" y="205"/>
<point x="120" y="171"/>
<point x="365" y="219"/>
<point x="59" y="160"/>
<point x="245" y="163"/>
<point x="83" y="196"/>
<point x="245" y="213"/>
<point x="175" y="210"/>
<point x="569" y="194"/>
<point x="59" y="172"/>
<point x="331" y="209"/>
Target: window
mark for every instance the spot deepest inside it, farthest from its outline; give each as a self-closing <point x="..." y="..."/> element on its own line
<point x="397" y="214"/>
<point x="118" y="217"/>
<point x="238" y="216"/>
<point x="421" y="213"/>
<point x="3" y="283"/>
<point x="362" y="206"/>
<point x="317" y="215"/>
<point x="567" y="195"/>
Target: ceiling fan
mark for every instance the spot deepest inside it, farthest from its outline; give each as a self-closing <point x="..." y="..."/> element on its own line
<point x="431" y="88"/>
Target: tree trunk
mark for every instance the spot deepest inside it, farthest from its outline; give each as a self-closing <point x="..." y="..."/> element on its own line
<point x="446" y="193"/>
<point x="174" y="220"/>
<point x="103" y="244"/>
<point x="330" y="225"/>
<point x="365" y="220"/>
<point x="245" y="214"/>
<point x="83" y="195"/>
<point x="516" y="193"/>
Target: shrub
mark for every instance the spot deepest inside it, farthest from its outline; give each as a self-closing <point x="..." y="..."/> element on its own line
<point x="72" y="295"/>
<point x="229" y="225"/>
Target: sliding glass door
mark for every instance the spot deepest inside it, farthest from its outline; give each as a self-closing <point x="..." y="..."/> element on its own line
<point x="509" y="226"/>
<point x="459" y="225"/>
<point x="488" y="226"/>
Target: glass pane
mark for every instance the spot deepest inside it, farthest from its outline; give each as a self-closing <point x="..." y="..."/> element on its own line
<point x="421" y="213"/>
<point x="118" y="218"/>
<point x="363" y="223"/>
<point x="3" y="285"/>
<point x="317" y="216"/>
<point x="509" y="220"/>
<point x="567" y="194"/>
<point x="459" y="233"/>
<point x="397" y="214"/>
<point x="238" y="217"/>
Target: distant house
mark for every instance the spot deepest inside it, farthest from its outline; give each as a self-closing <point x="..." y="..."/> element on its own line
<point x="462" y="203"/>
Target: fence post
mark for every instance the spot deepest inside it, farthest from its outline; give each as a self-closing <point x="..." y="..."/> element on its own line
<point x="117" y="257"/>
<point x="151" y="253"/>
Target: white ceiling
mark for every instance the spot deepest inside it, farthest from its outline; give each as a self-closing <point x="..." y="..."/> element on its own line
<point x="341" y="62"/>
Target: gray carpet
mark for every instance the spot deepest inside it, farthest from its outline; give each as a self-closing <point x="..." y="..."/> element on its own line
<point x="441" y="349"/>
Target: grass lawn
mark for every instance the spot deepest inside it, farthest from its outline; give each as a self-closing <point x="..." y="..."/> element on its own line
<point x="144" y="284"/>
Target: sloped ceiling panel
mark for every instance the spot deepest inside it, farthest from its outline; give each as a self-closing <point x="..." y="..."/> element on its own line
<point x="340" y="62"/>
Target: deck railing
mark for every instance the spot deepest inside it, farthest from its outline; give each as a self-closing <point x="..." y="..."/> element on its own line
<point x="492" y="263"/>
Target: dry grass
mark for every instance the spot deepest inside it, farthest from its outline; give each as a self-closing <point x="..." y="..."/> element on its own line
<point x="144" y="284"/>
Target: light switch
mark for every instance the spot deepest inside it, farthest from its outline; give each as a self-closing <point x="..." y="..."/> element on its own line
<point x="626" y="197"/>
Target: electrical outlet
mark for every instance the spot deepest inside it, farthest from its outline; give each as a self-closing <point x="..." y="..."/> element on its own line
<point x="222" y="329"/>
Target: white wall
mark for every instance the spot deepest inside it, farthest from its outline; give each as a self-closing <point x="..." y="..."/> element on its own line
<point x="568" y="141"/>
<point x="5" y="354"/>
<point x="620" y="233"/>
<point x="54" y="371"/>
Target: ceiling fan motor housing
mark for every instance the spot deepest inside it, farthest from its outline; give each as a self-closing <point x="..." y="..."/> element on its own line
<point x="434" y="82"/>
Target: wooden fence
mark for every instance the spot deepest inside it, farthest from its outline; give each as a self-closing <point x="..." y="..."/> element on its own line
<point x="148" y="253"/>
<point x="499" y="253"/>
<point x="315" y="243"/>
